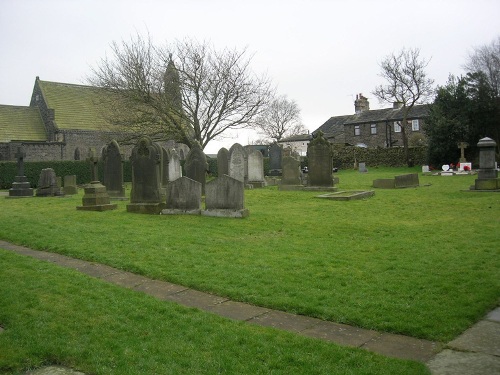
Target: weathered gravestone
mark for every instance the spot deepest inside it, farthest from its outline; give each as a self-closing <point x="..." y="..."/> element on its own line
<point x="21" y="186"/>
<point x="47" y="184"/>
<point x="183" y="197"/>
<point x="362" y="168"/>
<point x="237" y="162"/>
<point x="256" y="169"/>
<point x="290" y="177"/>
<point x="95" y="197"/>
<point x="275" y="160"/>
<point x="320" y="163"/>
<point x="70" y="187"/>
<point x="113" y="170"/>
<point x="462" y="146"/>
<point x="145" y="196"/>
<point x="225" y="198"/>
<point x="487" y="177"/>
<point x="223" y="162"/>
<point x="174" y="165"/>
<point x="196" y="165"/>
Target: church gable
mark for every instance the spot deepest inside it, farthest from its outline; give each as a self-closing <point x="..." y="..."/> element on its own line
<point x="75" y="107"/>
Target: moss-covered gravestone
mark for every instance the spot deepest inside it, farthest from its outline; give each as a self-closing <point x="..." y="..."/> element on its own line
<point x="113" y="170"/>
<point x="145" y="195"/>
<point x="320" y="162"/>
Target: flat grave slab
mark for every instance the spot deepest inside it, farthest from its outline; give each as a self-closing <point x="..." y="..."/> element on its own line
<point x="347" y="195"/>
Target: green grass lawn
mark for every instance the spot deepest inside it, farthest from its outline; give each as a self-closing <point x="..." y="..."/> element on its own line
<point x="424" y="261"/>
<point x="53" y="315"/>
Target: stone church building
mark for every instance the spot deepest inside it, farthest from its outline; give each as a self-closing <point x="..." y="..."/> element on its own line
<point x="61" y="123"/>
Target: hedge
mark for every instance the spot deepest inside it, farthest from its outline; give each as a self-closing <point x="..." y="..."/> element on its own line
<point x="8" y="171"/>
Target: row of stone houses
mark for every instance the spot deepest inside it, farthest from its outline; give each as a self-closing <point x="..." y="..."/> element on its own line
<point x="368" y="128"/>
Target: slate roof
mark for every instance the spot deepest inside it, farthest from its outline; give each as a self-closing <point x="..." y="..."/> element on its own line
<point x="18" y="123"/>
<point x="335" y="125"/>
<point x="76" y="106"/>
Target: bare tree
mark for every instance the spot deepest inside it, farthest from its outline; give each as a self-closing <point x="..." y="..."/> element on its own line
<point x="486" y="59"/>
<point x="406" y="83"/>
<point x="186" y="91"/>
<point x="280" y="119"/>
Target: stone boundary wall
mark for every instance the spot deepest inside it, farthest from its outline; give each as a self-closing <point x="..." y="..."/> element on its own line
<point x="345" y="157"/>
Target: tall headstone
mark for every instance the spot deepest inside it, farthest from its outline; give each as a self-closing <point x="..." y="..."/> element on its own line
<point x="223" y="162"/>
<point x="275" y="159"/>
<point x="320" y="162"/>
<point x="256" y="169"/>
<point x="487" y="177"/>
<point x="196" y="165"/>
<point x="47" y="184"/>
<point x="113" y="170"/>
<point x="183" y="197"/>
<point x="21" y="186"/>
<point x="145" y="195"/>
<point x="174" y="165"/>
<point x="236" y="166"/>
<point x="225" y="198"/>
<point x="290" y="176"/>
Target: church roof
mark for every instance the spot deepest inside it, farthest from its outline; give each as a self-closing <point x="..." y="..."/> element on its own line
<point x="18" y="123"/>
<point x="76" y="106"/>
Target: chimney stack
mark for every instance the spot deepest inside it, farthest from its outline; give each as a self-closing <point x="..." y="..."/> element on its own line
<point x="361" y="104"/>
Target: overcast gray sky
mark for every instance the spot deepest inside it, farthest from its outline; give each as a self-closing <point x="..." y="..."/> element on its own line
<point x="319" y="53"/>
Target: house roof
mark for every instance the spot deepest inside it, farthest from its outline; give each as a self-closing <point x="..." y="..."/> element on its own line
<point x="21" y="124"/>
<point x="335" y="125"/>
<point x="75" y="106"/>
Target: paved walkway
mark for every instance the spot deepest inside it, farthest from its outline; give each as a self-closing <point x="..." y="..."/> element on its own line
<point x="468" y="354"/>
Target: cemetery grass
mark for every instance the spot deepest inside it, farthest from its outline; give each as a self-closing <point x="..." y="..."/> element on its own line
<point x="420" y="261"/>
<point x="56" y="316"/>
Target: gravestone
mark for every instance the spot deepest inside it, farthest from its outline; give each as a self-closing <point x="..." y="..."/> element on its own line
<point x="256" y="169"/>
<point x="196" y="165"/>
<point x="70" y="187"/>
<point x="95" y="197"/>
<point x="183" y="197"/>
<point x="47" y="184"/>
<point x="446" y="170"/>
<point x="223" y="162"/>
<point x="487" y="177"/>
<point x="236" y="164"/>
<point x="145" y="196"/>
<point x="275" y="159"/>
<point x="174" y="166"/>
<point x="362" y="168"/>
<point x="320" y="162"/>
<point x="21" y="186"/>
<point x="225" y="198"/>
<point x="425" y="169"/>
<point x="113" y="170"/>
<point x="290" y="177"/>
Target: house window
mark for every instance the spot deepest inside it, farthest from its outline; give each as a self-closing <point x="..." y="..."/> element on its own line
<point x="373" y="129"/>
<point x="415" y="126"/>
<point x="397" y="127"/>
<point x="357" y="130"/>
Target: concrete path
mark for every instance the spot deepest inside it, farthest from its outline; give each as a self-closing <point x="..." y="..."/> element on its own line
<point x="480" y="342"/>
